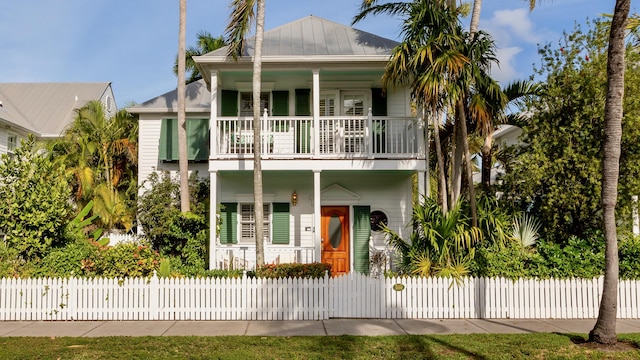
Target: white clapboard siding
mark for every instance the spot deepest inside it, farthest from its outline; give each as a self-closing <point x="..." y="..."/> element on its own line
<point x="353" y="296"/>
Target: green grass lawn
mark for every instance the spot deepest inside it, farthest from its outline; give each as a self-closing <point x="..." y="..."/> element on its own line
<point x="476" y="346"/>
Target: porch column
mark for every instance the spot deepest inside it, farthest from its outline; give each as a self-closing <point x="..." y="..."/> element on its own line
<point x="213" y="218"/>
<point x="316" y="111"/>
<point x="213" y="118"/>
<point x="317" y="216"/>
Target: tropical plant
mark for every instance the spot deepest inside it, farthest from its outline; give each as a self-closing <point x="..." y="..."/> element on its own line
<point x="526" y="230"/>
<point x="243" y="13"/>
<point x="101" y="154"/>
<point x="441" y="244"/>
<point x="205" y="44"/>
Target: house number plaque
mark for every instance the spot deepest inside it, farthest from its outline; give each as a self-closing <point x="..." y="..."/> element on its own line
<point x="398" y="287"/>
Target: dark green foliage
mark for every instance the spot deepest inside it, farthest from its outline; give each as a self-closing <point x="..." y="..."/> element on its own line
<point x="34" y="206"/>
<point x="577" y="258"/>
<point x="76" y="259"/>
<point x="629" y="258"/>
<point x="307" y="271"/>
<point x="556" y="175"/>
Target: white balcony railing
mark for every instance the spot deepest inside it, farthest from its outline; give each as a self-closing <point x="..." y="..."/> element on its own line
<point x="338" y="137"/>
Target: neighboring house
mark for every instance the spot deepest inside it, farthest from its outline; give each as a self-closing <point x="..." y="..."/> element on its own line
<point x="45" y="109"/>
<point x="503" y="137"/>
<point x="339" y="152"/>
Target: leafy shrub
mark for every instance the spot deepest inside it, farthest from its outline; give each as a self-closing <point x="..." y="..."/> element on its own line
<point x="295" y="270"/>
<point x="577" y="258"/>
<point x="511" y="261"/>
<point x="35" y="204"/>
<point x="76" y="259"/>
<point x="128" y="260"/>
<point x="629" y="258"/>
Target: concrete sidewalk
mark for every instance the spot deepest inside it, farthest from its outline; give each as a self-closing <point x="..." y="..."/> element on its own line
<point x="363" y="327"/>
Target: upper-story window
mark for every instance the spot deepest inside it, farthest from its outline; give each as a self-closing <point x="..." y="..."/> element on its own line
<point x="327" y="104"/>
<point x="246" y="103"/>
<point x="353" y="104"/>
<point x="12" y="143"/>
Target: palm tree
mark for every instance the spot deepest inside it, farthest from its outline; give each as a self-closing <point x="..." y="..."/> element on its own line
<point x="242" y="15"/>
<point x="101" y="153"/>
<point x="496" y="103"/>
<point x="205" y="44"/>
<point x="422" y="59"/>
<point x="182" y="121"/>
<point x="604" y="331"/>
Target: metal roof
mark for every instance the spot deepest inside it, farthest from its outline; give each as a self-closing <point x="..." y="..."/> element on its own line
<point x="314" y="36"/>
<point x="198" y="99"/>
<point x="46" y="108"/>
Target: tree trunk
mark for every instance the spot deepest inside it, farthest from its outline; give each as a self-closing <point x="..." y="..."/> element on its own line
<point x="182" y="121"/>
<point x="475" y="16"/>
<point x="257" y="143"/>
<point x="441" y="170"/>
<point x="487" y="160"/>
<point x="462" y="118"/>
<point x="604" y="331"/>
<point x="457" y="162"/>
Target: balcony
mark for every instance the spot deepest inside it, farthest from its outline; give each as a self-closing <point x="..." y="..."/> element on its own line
<point x="341" y="137"/>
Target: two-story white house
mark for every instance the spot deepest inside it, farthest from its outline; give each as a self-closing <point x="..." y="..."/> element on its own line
<point x="340" y="153"/>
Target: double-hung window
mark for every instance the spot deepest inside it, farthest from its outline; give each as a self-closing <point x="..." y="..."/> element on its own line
<point x="247" y="223"/>
<point x="246" y="103"/>
<point x="12" y="144"/>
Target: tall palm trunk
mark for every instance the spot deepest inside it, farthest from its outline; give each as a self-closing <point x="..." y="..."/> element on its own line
<point x="441" y="170"/>
<point x="461" y="115"/>
<point x="182" y="121"/>
<point x="487" y="158"/>
<point x="257" y="147"/>
<point x="604" y="330"/>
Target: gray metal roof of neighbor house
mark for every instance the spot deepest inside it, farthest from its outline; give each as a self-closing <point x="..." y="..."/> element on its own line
<point x="198" y="100"/>
<point x="314" y="36"/>
<point x="46" y="108"/>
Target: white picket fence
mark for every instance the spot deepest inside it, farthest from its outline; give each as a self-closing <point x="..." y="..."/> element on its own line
<point x="352" y="296"/>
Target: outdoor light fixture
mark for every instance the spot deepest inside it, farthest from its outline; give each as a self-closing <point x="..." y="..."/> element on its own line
<point x="294" y="198"/>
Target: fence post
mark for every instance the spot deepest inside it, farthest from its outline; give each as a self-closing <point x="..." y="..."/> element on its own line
<point x="154" y="298"/>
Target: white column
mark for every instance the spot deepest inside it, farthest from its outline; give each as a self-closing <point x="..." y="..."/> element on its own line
<point x="213" y="118"/>
<point x="634" y="212"/>
<point x="317" y="216"/>
<point x="316" y="111"/>
<point x="213" y="219"/>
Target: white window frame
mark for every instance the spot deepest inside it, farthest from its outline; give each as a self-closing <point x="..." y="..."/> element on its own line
<point x="333" y="95"/>
<point x="366" y="101"/>
<point x="246" y="219"/>
<point x="11" y="149"/>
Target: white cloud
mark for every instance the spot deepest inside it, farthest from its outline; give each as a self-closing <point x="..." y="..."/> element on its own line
<point x="506" y="71"/>
<point x="517" y="23"/>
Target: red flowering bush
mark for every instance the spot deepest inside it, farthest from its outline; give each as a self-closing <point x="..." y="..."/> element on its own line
<point x="128" y="260"/>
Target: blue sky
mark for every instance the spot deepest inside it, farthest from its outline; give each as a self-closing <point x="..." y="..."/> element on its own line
<point x="132" y="43"/>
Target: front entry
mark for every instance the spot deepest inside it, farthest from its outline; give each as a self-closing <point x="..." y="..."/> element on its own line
<point x="335" y="238"/>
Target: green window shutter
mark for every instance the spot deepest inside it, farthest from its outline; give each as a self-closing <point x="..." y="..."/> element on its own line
<point x="229" y="225"/>
<point x="229" y="103"/>
<point x="280" y="103"/>
<point x="361" y="234"/>
<point x="378" y="103"/>
<point x="198" y="139"/>
<point x="168" y="147"/>
<point x="281" y="223"/>
<point x="303" y="102"/>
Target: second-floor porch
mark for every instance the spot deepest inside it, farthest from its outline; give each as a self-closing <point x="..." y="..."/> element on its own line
<point x="332" y="137"/>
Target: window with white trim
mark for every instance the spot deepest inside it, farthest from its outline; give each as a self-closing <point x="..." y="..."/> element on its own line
<point x="247" y="223"/>
<point x="12" y="143"/>
<point x="327" y="104"/>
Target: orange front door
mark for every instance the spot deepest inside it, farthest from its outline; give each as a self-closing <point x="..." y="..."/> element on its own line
<point x="335" y="238"/>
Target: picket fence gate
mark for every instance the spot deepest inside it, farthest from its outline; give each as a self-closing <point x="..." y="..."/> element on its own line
<point x="350" y="296"/>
